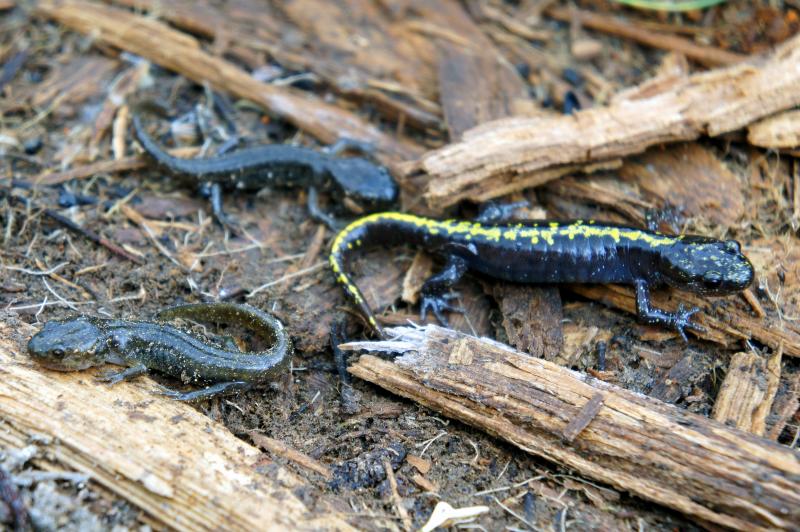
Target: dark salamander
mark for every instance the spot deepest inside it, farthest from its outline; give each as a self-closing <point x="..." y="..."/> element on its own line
<point x="369" y="185"/>
<point x="81" y="342"/>
<point x="552" y="252"/>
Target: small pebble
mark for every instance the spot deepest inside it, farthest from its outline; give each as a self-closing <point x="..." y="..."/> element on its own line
<point x="585" y="49"/>
<point x="32" y="146"/>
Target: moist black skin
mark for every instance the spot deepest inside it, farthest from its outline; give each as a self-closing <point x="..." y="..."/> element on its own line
<point x="80" y="342"/>
<point x="249" y="169"/>
<point x="551" y="252"/>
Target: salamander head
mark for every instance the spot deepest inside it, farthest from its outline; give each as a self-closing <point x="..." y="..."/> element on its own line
<point x="69" y="345"/>
<point x="706" y="266"/>
<point x="368" y="184"/>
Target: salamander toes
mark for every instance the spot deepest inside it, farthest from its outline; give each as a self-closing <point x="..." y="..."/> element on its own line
<point x="438" y="304"/>
<point x="682" y="321"/>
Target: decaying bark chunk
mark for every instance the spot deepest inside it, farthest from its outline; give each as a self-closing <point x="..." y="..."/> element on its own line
<point x="745" y="398"/>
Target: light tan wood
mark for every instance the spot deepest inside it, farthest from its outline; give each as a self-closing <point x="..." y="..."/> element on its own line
<point x="527" y="151"/>
<point x="779" y="131"/>
<point x="745" y="398"/>
<point x="185" y="471"/>
<point x="652" y="449"/>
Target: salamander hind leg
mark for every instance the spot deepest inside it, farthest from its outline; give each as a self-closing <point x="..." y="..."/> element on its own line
<point x="220" y="388"/>
<point x="679" y="320"/>
<point x="436" y="290"/>
<point x="113" y="377"/>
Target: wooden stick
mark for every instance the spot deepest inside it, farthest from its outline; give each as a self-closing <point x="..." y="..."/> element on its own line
<point x="657" y="451"/>
<point x="181" y="53"/>
<point x="706" y="55"/>
<point x="528" y="151"/>
<point x="184" y="470"/>
<point x="281" y="449"/>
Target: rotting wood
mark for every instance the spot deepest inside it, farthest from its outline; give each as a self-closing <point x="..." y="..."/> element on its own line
<point x="506" y="155"/>
<point x="635" y="443"/>
<point x="689" y="176"/>
<point x="745" y="397"/>
<point x="779" y="131"/>
<point x="706" y="55"/>
<point x="185" y="471"/>
<point x="726" y="326"/>
<point x="179" y="52"/>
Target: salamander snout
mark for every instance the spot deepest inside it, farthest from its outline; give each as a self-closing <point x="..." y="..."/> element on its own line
<point x="69" y="345"/>
<point x="706" y="266"/>
<point x="365" y="182"/>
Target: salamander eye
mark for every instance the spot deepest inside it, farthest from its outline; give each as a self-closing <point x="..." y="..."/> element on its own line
<point x="733" y="246"/>
<point x="57" y="353"/>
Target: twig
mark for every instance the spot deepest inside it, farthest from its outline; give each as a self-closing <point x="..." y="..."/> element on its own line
<point x="299" y="273"/>
<point x="706" y="55"/>
<point x="91" y="235"/>
<point x="398" y="502"/>
<point x="37" y="272"/>
<point x="279" y="448"/>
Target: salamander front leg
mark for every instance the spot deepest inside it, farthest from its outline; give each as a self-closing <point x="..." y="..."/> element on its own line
<point x="221" y="388"/>
<point x="318" y="214"/>
<point x="677" y="320"/>
<point x="436" y="290"/>
<point x="113" y="377"/>
<point x="213" y="191"/>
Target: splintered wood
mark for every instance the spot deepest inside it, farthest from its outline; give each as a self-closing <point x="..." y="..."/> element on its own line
<point x="745" y="398"/>
<point x="632" y="442"/>
<point x="495" y="156"/>
<point x="184" y="470"/>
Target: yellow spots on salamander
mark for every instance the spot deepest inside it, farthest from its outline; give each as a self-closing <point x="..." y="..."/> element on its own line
<point x="496" y="233"/>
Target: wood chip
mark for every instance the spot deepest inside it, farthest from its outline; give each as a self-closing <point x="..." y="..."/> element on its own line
<point x="584" y="417"/>
<point x="654" y="450"/>
<point x="421" y="464"/>
<point x="745" y="397"/>
<point x="779" y="131"/>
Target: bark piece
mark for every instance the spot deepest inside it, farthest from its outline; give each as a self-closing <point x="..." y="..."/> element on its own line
<point x="531" y="317"/>
<point x="179" y="52"/>
<point x="185" y="471"/>
<point x="474" y="86"/>
<point x="726" y="326"/>
<point x="779" y="131"/>
<point x="745" y="398"/>
<point x="691" y="178"/>
<point x="515" y="152"/>
<point x="634" y="443"/>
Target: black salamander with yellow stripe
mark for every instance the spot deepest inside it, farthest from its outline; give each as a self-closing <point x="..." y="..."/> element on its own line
<point x="551" y="252"/>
